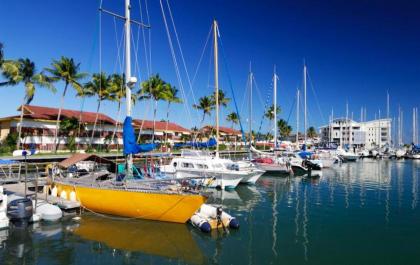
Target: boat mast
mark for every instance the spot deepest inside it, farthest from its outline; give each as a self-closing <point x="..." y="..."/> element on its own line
<point x="250" y="107"/>
<point x="304" y="99"/>
<point x="129" y="158"/>
<point x="275" y="107"/>
<point x="297" y="117"/>
<point x="216" y="83"/>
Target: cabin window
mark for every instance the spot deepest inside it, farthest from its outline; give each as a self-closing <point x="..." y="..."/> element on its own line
<point x="187" y="165"/>
<point x="175" y="164"/>
<point x="202" y="166"/>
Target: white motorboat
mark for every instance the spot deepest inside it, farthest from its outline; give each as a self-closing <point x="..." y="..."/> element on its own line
<point x="400" y="153"/>
<point x="347" y="156"/>
<point x="219" y="172"/>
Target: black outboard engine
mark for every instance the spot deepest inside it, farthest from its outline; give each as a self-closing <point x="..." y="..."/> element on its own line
<point x="20" y="212"/>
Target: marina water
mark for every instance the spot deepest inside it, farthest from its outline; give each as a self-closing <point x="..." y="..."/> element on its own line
<point x="366" y="212"/>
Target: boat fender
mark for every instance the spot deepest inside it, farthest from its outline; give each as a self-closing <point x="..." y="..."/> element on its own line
<point x="201" y="223"/>
<point x="73" y="196"/>
<point x="54" y="191"/>
<point x="63" y="195"/>
<point x="233" y="223"/>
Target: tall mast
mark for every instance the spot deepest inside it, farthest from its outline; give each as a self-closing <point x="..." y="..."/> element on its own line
<point x="387" y="104"/>
<point x="250" y="105"/>
<point x="275" y="107"/>
<point x="304" y="99"/>
<point x="216" y="83"/>
<point x="128" y="75"/>
<point x="297" y="116"/>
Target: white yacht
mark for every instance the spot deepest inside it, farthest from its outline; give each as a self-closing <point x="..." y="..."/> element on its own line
<point x="219" y="172"/>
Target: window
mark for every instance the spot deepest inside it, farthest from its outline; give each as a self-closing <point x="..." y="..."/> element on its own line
<point x="201" y="166"/>
<point x="187" y="165"/>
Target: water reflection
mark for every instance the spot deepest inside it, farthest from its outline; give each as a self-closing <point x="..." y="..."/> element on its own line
<point x="168" y="240"/>
<point x="360" y="213"/>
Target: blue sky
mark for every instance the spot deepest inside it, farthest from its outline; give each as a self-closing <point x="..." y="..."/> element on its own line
<point x="355" y="51"/>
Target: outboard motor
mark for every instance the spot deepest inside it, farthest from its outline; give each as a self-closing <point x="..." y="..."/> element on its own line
<point x="20" y="212"/>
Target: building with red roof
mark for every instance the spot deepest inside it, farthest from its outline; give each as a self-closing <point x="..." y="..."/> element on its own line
<point x="39" y="125"/>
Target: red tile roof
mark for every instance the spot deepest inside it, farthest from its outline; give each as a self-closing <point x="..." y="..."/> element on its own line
<point x="45" y="113"/>
<point x="222" y="129"/>
<point x="159" y="126"/>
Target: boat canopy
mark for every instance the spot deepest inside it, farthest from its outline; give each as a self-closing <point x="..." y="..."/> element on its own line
<point x="210" y="143"/>
<point x="129" y="139"/>
<point x="7" y="162"/>
<point x="76" y="158"/>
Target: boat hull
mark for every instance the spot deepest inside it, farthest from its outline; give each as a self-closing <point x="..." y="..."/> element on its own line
<point x="168" y="207"/>
<point x="224" y="180"/>
<point x="252" y="178"/>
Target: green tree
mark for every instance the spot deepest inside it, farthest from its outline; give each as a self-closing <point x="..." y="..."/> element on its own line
<point x="154" y="88"/>
<point x="171" y="96"/>
<point x="117" y="93"/>
<point x="100" y="87"/>
<point x="67" y="71"/>
<point x="205" y="104"/>
<point x="269" y="114"/>
<point x="284" y="128"/>
<point x="23" y="71"/>
<point x="69" y="126"/>
<point x="311" y="132"/>
<point x="232" y="118"/>
<point x="223" y="100"/>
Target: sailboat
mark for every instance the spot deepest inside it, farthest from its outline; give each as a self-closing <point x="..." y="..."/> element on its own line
<point x="218" y="172"/>
<point x="266" y="161"/>
<point x="120" y="193"/>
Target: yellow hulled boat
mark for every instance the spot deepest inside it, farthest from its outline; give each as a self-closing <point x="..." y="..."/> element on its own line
<point x="170" y="205"/>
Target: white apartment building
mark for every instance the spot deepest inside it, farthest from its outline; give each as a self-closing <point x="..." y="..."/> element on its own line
<point x="367" y="134"/>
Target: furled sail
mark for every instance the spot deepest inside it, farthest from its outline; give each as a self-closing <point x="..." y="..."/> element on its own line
<point x="129" y="139"/>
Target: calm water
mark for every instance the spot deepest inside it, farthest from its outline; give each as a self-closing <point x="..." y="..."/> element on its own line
<point x="358" y="213"/>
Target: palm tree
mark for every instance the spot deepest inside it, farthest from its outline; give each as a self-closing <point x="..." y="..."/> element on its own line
<point x="269" y="114"/>
<point x="154" y="88"/>
<point x="311" y="132"/>
<point x="223" y="100"/>
<point x="233" y="118"/>
<point x="24" y="71"/>
<point x="69" y="127"/>
<point x="206" y="105"/>
<point x="284" y="128"/>
<point x="99" y="86"/>
<point x="117" y="93"/>
<point x="171" y="96"/>
<point x="65" y="70"/>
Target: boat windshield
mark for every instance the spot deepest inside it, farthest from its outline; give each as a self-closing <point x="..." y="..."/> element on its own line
<point x="194" y="153"/>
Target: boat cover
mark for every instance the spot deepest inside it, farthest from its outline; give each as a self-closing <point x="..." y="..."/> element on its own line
<point x="210" y="143"/>
<point x="129" y="140"/>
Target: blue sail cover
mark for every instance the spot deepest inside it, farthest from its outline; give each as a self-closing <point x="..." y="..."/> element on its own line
<point x="129" y="140"/>
<point x="210" y="143"/>
<point x="303" y="153"/>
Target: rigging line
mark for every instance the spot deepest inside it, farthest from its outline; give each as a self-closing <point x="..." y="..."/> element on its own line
<point x="119" y="45"/>
<point x="182" y="55"/>
<point x="258" y="90"/>
<point x="246" y="95"/>
<point x="144" y="39"/>
<point x="316" y="97"/>
<point x="149" y="36"/>
<point x="136" y="55"/>
<point x="231" y="88"/>
<point x="202" y="55"/>
<point x="178" y="75"/>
